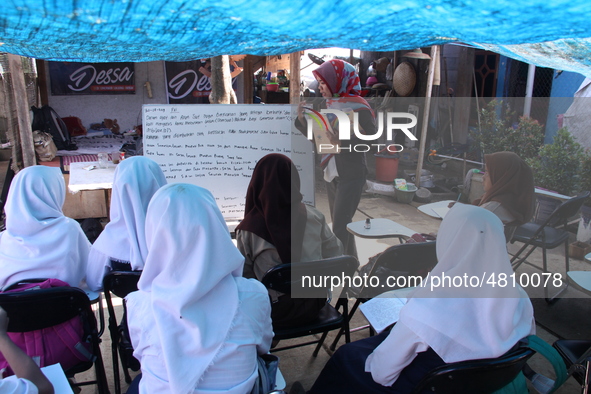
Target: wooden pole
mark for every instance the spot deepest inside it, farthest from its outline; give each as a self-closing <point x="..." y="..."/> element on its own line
<point x="19" y="97"/>
<point x="294" y="77"/>
<point x="425" y="123"/>
<point x="248" y="75"/>
<point x="42" y="83"/>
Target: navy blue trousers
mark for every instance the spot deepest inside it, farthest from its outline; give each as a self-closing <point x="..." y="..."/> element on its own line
<point x="345" y="372"/>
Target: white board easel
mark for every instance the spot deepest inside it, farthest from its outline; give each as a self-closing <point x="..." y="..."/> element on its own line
<point x="216" y="146"/>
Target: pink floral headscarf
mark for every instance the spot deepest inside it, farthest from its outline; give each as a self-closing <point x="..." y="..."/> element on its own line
<point x="340" y="77"/>
<point x="344" y="84"/>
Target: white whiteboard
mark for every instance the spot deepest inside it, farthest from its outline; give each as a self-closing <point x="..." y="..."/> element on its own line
<point x="216" y="146"/>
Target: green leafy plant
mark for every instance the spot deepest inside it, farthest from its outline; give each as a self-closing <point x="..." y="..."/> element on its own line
<point x="490" y="135"/>
<point x="558" y="165"/>
<point x="526" y="139"/>
<point x="496" y="134"/>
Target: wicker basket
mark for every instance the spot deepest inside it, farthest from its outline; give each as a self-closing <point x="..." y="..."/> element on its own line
<point x="404" y="79"/>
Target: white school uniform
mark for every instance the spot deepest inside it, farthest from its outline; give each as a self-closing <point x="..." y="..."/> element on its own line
<point x="459" y="322"/>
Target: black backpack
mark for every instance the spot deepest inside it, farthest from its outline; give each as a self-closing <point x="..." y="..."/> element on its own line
<point x="47" y="120"/>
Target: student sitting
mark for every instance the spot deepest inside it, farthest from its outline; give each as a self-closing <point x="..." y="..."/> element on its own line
<point x="444" y="325"/>
<point x="39" y="241"/>
<point x="122" y="244"/>
<point x="508" y="190"/>
<point x="29" y="379"/>
<point x="278" y="228"/>
<point x="196" y="325"/>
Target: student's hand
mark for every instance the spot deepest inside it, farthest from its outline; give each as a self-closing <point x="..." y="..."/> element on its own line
<point x="451" y="204"/>
<point x="3" y="321"/>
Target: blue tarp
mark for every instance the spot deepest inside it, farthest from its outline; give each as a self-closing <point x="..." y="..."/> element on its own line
<point x="179" y="30"/>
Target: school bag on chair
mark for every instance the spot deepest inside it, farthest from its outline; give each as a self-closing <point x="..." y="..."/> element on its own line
<point x="47" y="120"/>
<point x="63" y="343"/>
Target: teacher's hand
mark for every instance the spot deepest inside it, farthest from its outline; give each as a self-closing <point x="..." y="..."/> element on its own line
<point x="301" y="117"/>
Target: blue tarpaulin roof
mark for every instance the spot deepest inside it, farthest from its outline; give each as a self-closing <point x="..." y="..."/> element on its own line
<point x="179" y="30"/>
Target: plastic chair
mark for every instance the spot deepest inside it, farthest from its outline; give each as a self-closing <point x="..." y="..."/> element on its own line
<point x="475" y="376"/>
<point x="410" y="260"/>
<point x="577" y="357"/>
<point x="120" y="283"/>
<point x="37" y="309"/>
<point x="281" y="278"/>
<point x="547" y="236"/>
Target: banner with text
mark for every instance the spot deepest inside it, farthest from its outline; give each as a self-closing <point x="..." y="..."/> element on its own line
<point x="91" y="78"/>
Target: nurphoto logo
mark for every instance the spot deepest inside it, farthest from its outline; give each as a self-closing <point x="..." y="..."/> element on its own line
<point x="319" y="127"/>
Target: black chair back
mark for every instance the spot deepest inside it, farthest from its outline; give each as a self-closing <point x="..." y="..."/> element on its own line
<point x="475" y="376"/>
<point x="309" y="280"/>
<point x="309" y="277"/>
<point x="409" y="262"/>
<point x="36" y="309"/>
<point x="566" y="210"/>
<point x="121" y="283"/>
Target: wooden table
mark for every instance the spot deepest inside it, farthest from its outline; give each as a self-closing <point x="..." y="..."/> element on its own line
<point x="380" y="228"/>
<point x="96" y="179"/>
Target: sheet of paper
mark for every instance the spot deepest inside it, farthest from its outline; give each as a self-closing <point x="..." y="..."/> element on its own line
<point x="441" y="211"/>
<point x="382" y="312"/>
<point x="55" y="374"/>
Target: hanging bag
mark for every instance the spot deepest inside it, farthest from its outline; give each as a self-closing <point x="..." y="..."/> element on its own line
<point x="541" y="383"/>
<point x="44" y="146"/>
<point x="267" y="373"/>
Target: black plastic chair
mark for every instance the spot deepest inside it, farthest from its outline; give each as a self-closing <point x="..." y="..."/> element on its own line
<point x="411" y="261"/>
<point x="120" y="283"/>
<point x="281" y="278"/>
<point x="547" y="235"/>
<point x="475" y="376"/>
<point x="37" y="309"/>
<point x="577" y="357"/>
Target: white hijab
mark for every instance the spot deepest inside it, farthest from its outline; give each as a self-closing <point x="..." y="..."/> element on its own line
<point x="135" y="182"/>
<point x="470" y="322"/>
<point x="188" y="283"/>
<point x="39" y="241"/>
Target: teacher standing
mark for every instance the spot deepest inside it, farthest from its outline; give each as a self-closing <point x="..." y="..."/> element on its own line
<point x="345" y="172"/>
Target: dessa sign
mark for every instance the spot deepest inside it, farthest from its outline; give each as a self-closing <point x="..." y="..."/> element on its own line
<point x="389" y="121"/>
<point x="86" y="78"/>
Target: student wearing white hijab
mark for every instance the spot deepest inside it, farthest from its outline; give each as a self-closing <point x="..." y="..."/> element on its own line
<point x="443" y="324"/>
<point x="39" y="241"/>
<point x="196" y="325"/>
<point x="123" y="241"/>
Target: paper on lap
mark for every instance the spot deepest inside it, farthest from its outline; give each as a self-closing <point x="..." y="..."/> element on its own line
<point x="383" y="311"/>
<point x="55" y="374"/>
